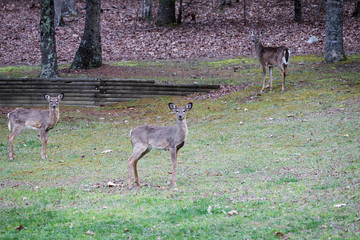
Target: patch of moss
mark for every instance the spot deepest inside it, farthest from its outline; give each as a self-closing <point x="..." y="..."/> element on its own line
<point x="18" y="71"/>
<point x="229" y="62"/>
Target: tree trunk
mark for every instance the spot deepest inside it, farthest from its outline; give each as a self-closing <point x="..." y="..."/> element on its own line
<point x="245" y="22"/>
<point x="68" y="8"/>
<point x="166" y="13"/>
<point x="147" y="10"/>
<point x="334" y="50"/>
<point x="178" y="21"/>
<point x="89" y="54"/>
<point x="63" y="8"/>
<point x="297" y="8"/>
<point x="356" y="12"/>
<point x="49" y="66"/>
<point x="321" y="6"/>
<point x="226" y="3"/>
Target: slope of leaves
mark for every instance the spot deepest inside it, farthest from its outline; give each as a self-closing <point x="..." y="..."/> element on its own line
<point x="215" y="33"/>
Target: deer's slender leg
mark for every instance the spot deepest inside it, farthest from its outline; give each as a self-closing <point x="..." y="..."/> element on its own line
<point x="11" y="138"/>
<point x="173" y="153"/>
<point x="270" y="80"/>
<point x="44" y="138"/>
<point x="283" y="74"/>
<point x="139" y="152"/>
<point x="264" y="76"/>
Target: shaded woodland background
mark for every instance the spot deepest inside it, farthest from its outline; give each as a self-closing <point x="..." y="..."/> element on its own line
<point x="207" y="31"/>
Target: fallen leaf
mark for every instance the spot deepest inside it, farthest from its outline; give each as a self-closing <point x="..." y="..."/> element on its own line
<point x="106" y="151"/>
<point x="209" y="209"/>
<point x="279" y="234"/>
<point x="19" y="228"/>
<point x="90" y="232"/>
<point x="111" y="184"/>
<point x="340" y="205"/>
<point x="233" y="212"/>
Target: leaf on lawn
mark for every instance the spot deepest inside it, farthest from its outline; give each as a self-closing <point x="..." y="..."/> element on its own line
<point x="107" y="151"/>
<point x="340" y="205"/>
<point x="111" y="184"/>
<point x="19" y="228"/>
<point x="90" y="232"/>
<point x="279" y="234"/>
<point x="233" y="212"/>
<point x="209" y="209"/>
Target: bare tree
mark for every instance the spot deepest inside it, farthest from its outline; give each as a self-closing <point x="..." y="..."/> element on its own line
<point x="297" y="10"/>
<point x="356" y="12"/>
<point x="226" y="2"/>
<point x="49" y="66"/>
<point x="89" y="54"/>
<point x="166" y="13"/>
<point x="147" y="9"/>
<point x="63" y="8"/>
<point x="334" y="49"/>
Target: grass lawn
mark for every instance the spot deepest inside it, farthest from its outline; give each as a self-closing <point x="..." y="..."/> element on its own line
<point x="271" y="166"/>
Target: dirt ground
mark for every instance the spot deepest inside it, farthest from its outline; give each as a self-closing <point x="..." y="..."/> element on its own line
<point x="214" y="33"/>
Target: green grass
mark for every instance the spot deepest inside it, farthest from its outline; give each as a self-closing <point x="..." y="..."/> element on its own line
<point x="282" y="161"/>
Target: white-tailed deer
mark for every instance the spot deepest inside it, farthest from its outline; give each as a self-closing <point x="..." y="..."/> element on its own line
<point x="270" y="57"/>
<point x="37" y="119"/>
<point x="146" y="137"/>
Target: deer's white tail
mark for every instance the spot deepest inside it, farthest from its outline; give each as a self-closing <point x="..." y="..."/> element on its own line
<point x="286" y="57"/>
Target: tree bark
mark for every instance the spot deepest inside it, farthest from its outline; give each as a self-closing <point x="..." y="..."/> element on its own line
<point x="334" y="50"/>
<point x="89" y="54"/>
<point x="58" y="5"/>
<point x="166" y="13"/>
<point x="179" y="17"/>
<point x="68" y="8"/>
<point x="49" y="66"/>
<point x="356" y="12"/>
<point x="245" y="22"/>
<point x="297" y="9"/>
<point x="226" y="3"/>
<point x="147" y="9"/>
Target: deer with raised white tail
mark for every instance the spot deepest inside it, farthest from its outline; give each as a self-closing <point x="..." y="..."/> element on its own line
<point x="270" y="57"/>
<point x="37" y="119"/>
<point x="146" y="137"/>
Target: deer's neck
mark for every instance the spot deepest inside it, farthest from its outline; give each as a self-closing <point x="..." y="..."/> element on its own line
<point x="182" y="130"/>
<point x="53" y="117"/>
<point x="258" y="48"/>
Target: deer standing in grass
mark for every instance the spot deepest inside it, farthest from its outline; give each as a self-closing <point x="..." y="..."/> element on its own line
<point x="146" y="137"/>
<point x="270" y="57"/>
<point x="37" y="119"/>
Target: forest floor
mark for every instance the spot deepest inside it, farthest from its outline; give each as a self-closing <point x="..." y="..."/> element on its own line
<point x="214" y="33"/>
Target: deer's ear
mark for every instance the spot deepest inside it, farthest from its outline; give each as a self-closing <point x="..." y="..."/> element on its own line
<point x="61" y="96"/>
<point x="172" y="106"/>
<point x="188" y="106"/>
<point x="47" y="97"/>
<point x="251" y="33"/>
